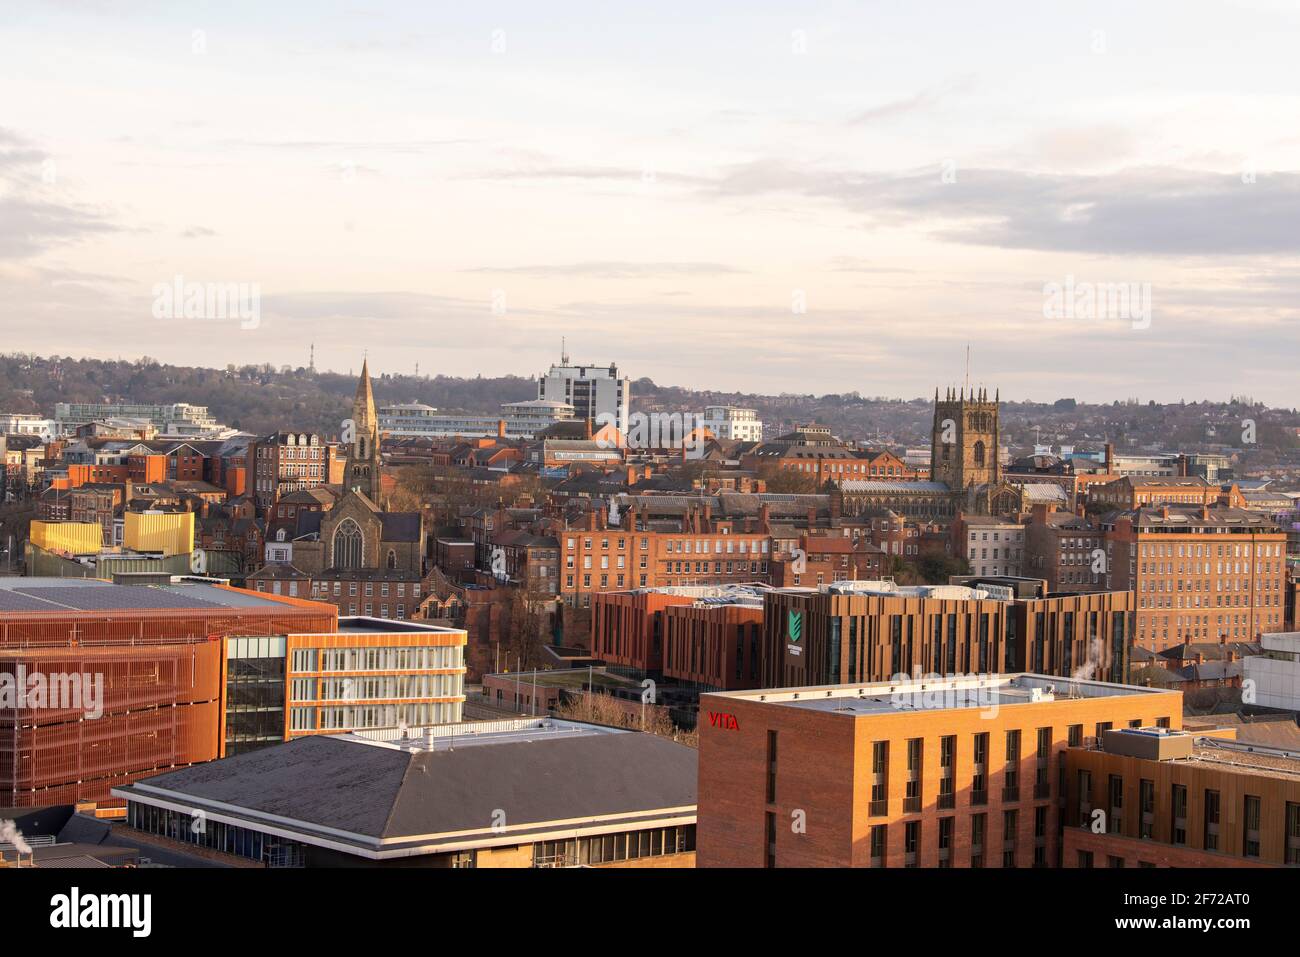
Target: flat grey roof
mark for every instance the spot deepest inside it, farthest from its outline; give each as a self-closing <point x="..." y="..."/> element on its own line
<point x="88" y="594"/>
<point x="938" y="693"/>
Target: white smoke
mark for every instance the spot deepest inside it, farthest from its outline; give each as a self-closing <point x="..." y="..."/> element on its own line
<point x="1089" y="668"/>
<point x="9" y="834"/>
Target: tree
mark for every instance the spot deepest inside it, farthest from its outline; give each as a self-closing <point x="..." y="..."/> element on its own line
<point x="787" y="481"/>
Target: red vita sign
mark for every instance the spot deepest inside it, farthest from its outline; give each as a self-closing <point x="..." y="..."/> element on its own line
<point x="721" y="719"/>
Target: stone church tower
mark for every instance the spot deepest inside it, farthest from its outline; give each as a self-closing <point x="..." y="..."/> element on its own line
<point x="361" y="473"/>
<point x="964" y="441"/>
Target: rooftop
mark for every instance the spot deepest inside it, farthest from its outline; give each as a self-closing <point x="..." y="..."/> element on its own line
<point x="364" y="625"/>
<point x="88" y="594"/>
<point x="382" y="799"/>
<point x="1188" y="747"/>
<point x="938" y="694"/>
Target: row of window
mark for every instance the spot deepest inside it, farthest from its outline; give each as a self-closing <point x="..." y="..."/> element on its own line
<point x="397" y="658"/>
<point x="350" y="717"/>
<point x="385" y="688"/>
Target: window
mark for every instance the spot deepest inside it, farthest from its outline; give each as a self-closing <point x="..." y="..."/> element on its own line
<point x="771" y="767"/>
<point x="347" y="547"/>
<point x="1010" y="824"/>
<point x="1011" y="777"/>
<point x="911" y="842"/>
<point x="1250" y="845"/>
<point x="880" y="777"/>
<point x="1211" y="820"/>
<point x="1178" y="815"/>
<point x="1292" y="833"/>
<point x="978" y="826"/>
<point x="945" y="841"/>
<point x="879" y="833"/>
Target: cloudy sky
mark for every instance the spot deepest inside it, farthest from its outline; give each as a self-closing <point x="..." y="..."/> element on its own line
<point x="767" y="196"/>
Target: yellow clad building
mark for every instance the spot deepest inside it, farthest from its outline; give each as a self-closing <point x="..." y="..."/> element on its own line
<point x="69" y="538"/>
<point x="171" y="533"/>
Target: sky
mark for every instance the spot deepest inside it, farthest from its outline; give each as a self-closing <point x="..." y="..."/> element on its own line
<point x="764" y="197"/>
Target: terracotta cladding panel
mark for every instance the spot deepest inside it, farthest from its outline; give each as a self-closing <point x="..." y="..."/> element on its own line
<point x="87" y="758"/>
<point x="1232" y="785"/>
<point x="132" y="677"/>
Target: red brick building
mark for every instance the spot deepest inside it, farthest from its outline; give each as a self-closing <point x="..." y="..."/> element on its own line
<point x="1198" y="573"/>
<point x="946" y="773"/>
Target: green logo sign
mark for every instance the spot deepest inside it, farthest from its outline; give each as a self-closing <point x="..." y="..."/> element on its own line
<point x="794" y="624"/>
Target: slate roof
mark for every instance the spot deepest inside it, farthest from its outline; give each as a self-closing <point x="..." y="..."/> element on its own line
<point x="400" y="526"/>
<point x="384" y="793"/>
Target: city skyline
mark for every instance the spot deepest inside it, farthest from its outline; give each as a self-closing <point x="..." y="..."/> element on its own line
<point x="715" y="201"/>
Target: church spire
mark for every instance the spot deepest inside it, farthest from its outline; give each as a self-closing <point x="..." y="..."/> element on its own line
<point x="363" y="463"/>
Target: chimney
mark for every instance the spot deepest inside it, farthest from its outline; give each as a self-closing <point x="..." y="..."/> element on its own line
<point x="631" y="476"/>
<point x="591" y="520"/>
<point x="501" y="428"/>
<point x="588" y="429"/>
<point x="764" y="516"/>
<point x="708" y="517"/>
<point x="812" y="516"/>
<point x="1039" y="513"/>
<point x="1110" y="458"/>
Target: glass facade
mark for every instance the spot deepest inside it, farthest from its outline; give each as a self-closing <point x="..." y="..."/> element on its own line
<point x="254" y="693"/>
<point x="608" y="848"/>
<point x="227" y="838"/>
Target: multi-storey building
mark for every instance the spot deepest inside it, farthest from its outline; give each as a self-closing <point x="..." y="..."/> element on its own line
<point x="1135" y="491"/>
<point x="954" y="772"/>
<point x="63" y="626"/>
<point x="367" y="673"/>
<point x="990" y="545"/>
<point x="178" y="418"/>
<point x="597" y="393"/>
<point x="731" y="423"/>
<point x="704" y="551"/>
<point x="818" y="559"/>
<point x="1066" y="550"/>
<point x="226" y="669"/>
<point x="381" y="592"/>
<point x="875" y="630"/>
<point x="1274" y="673"/>
<point x="1198" y="573"/>
<point x="705" y="636"/>
<point x="518" y="420"/>
<point x="287" y="462"/>
<point x="1156" y="797"/>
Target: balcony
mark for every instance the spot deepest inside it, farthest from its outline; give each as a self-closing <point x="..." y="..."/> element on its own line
<point x="946" y="802"/>
<point x="1011" y="792"/>
<point x="911" y="805"/>
<point x="878" y="808"/>
<point x="978" y="798"/>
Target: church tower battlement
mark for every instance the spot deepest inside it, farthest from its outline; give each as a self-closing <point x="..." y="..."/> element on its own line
<point x="965" y="438"/>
